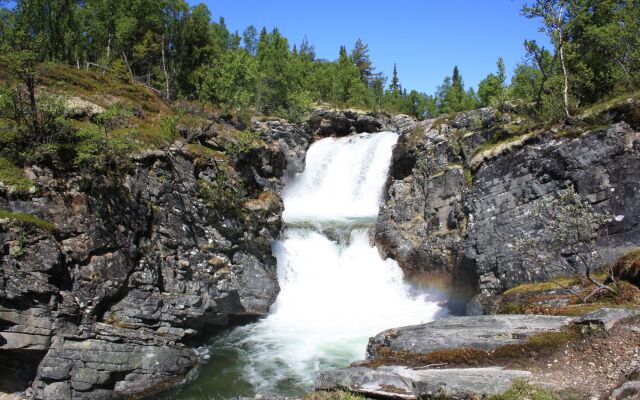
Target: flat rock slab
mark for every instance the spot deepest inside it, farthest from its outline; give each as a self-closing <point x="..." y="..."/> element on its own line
<point x="485" y="332"/>
<point x="402" y="383"/>
<point x="606" y="317"/>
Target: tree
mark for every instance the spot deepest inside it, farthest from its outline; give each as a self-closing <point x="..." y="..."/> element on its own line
<point x="349" y="88"/>
<point x="491" y="90"/>
<point x="360" y="57"/>
<point x="566" y="244"/>
<point x="274" y="79"/>
<point x="395" y="81"/>
<point x="250" y="40"/>
<point x="603" y="38"/>
<point x="451" y="95"/>
<point x="556" y="20"/>
<point x="307" y="50"/>
<point x="230" y="81"/>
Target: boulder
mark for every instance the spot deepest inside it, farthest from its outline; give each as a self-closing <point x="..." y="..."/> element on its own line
<point x="367" y="123"/>
<point x="606" y="318"/>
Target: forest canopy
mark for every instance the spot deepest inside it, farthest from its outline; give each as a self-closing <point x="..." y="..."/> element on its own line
<point x="180" y="51"/>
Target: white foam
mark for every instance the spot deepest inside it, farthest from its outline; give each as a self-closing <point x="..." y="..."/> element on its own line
<point x="336" y="291"/>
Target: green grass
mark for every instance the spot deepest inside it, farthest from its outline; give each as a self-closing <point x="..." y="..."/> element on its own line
<point x="541" y="286"/>
<point x="521" y="389"/>
<point x="333" y="395"/>
<point x="12" y="176"/>
<point x="99" y="88"/>
<point x="27" y="219"/>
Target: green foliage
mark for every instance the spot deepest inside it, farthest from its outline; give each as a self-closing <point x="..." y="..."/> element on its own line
<point x="523" y="390"/>
<point x="26" y="219"/>
<point x="230" y="81"/>
<point x="452" y="97"/>
<point x="244" y="143"/>
<point x="12" y="176"/>
<point x="97" y="150"/>
<point x="222" y="194"/>
<point x="491" y="90"/>
<point x="114" y="117"/>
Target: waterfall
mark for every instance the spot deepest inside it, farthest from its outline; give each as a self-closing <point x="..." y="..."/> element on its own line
<point x="336" y="291"/>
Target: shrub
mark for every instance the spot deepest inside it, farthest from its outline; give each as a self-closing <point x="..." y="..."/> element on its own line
<point x="567" y="243"/>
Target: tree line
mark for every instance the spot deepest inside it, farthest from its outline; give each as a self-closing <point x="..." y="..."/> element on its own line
<point x="181" y="52"/>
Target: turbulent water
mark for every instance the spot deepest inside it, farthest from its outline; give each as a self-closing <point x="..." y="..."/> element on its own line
<point x="336" y="291"/>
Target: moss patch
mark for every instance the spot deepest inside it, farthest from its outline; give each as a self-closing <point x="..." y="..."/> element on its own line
<point x="27" y="219"/>
<point x="521" y="389"/>
<point x="538" y="343"/>
<point x="541" y="286"/>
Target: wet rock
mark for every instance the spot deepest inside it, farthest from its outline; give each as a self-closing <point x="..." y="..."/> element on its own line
<point x="327" y="123"/>
<point x="367" y="123"/>
<point x="101" y="306"/>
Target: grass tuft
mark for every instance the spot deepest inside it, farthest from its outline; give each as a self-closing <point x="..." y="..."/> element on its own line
<point x="27" y="219"/>
<point x="12" y="176"/>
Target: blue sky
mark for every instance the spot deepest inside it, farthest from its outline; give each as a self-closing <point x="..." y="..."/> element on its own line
<point x="425" y="38"/>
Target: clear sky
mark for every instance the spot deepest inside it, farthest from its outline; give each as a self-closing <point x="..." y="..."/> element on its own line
<point x="425" y="38"/>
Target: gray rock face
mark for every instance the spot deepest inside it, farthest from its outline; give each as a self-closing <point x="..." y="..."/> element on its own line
<point x="452" y="208"/>
<point x="486" y="332"/>
<point x="393" y="382"/>
<point x="102" y="306"/>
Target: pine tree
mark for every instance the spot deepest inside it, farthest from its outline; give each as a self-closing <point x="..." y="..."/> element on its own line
<point x="395" y="82"/>
<point x="307" y="51"/>
<point x="360" y="57"/>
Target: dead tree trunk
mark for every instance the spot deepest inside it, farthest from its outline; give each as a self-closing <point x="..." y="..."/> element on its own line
<point x="164" y="69"/>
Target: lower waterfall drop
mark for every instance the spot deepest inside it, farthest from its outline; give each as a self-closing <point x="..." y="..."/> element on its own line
<point x="336" y="291"/>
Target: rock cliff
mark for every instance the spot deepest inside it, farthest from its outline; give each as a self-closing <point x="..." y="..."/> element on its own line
<point x="461" y="190"/>
<point x="106" y="281"/>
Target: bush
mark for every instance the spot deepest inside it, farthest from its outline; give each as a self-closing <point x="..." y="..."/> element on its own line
<point x="567" y="243"/>
<point x="244" y="142"/>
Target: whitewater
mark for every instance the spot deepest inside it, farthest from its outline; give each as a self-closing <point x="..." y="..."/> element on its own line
<point x="335" y="289"/>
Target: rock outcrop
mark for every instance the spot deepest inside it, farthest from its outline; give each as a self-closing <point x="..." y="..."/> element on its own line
<point x="461" y="190"/>
<point x="471" y="357"/>
<point x="105" y="299"/>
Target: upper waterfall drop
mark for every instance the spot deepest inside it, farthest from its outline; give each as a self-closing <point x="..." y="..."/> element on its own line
<point x="342" y="180"/>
